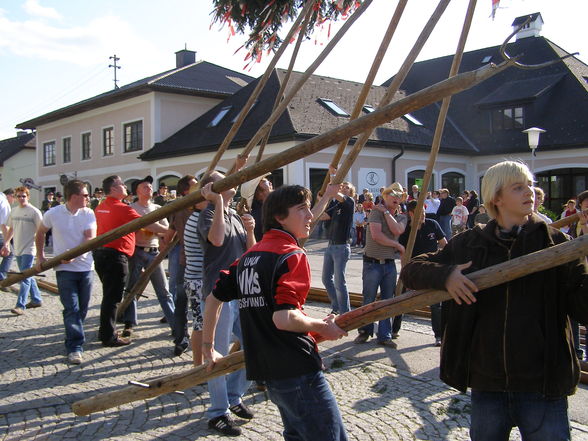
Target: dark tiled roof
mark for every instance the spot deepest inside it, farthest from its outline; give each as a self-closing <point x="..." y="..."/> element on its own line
<point x="553" y="97"/>
<point x="201" y="79"/>
<point x="520" y="20"/>
<point x="305" y="117"/>
<point x="11" y="146"/>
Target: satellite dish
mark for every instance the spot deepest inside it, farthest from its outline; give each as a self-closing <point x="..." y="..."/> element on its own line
<point x="63" y="179"/>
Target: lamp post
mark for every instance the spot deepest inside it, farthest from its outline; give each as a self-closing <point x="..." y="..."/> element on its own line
<point x="533" y="135"/>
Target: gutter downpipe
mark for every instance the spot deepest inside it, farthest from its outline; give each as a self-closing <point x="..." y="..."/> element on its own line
<point x="394" y="159"/>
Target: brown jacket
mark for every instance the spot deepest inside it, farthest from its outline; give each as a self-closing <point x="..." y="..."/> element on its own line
<point x="517" y="336"/>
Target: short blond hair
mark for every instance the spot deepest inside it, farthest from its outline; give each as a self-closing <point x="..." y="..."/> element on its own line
<point x="500" y="176"/>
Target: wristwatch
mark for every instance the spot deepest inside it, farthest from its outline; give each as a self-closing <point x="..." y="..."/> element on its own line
<point x="386" y="212"/>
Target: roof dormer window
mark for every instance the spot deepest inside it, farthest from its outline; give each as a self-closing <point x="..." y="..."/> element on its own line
<point x="368" y="109"/>
<point x="219" y="116"/>
<point x="332" y="107"/>
<point x="413" y="120"/>
<point x="487" y="59"/>
<point x="508" y="119"/>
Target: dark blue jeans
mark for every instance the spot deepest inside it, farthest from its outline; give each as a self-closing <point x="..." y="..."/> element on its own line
<point x="383" y="276"/>
<point x="75" y="289"/>
<point x="494" y="414"/>
<point x="308" y="408"/>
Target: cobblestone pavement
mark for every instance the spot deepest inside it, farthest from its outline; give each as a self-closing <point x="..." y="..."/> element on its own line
<point x="380" y="396"/>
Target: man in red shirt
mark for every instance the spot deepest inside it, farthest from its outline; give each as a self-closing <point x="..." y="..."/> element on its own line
<point x="111" y="260"/>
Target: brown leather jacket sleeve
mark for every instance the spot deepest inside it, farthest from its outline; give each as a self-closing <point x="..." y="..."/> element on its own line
<point x="429" y="271"/>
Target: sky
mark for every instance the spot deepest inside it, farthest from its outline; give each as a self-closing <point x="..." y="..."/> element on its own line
<point x="54" y="53"/>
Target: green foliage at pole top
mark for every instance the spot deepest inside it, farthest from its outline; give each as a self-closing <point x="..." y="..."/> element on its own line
<point x="264" y="19"/>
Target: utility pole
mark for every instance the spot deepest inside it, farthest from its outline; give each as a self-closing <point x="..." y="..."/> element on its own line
<point x="115" y="66"/>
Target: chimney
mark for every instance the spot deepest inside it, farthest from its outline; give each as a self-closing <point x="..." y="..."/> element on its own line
<point x="185" y="57"/>
<point x="531" y="29"/>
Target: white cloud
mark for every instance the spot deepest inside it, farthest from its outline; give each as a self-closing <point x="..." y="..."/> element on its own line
<point x="33" y="7"/>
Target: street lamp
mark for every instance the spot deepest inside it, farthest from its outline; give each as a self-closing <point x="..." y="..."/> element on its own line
<point x="533" y="135"/>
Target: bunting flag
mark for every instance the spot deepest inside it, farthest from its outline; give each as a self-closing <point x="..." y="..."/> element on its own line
<point x="494" y="8"/>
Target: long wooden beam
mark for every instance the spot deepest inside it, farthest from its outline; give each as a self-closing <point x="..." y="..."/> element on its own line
<point x="485" y="278"/>
<point x="436" y="145"/>
<point x="392" y="111"/>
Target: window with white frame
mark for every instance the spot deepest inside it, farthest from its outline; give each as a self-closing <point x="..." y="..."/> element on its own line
<point x="49" y="153"/>
<point x="66" y="144"/>
<point x="133" y="136"/>
<point x="86" y="145"/>
<point x="108" y="141"/>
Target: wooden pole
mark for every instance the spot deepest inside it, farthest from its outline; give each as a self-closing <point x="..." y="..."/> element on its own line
<point x="260" y="85"/>
<point x="141" y="283"/>
<point x="285" y="80"/>
<point x="437" y="140"/>
<point x="266" y="127"/>
<point x="367" y="85"/>
<point x="485" y="278"/>
<point x="566" y="221"/>
<point x="390" y="93"/>
<point x="392" y="111"/>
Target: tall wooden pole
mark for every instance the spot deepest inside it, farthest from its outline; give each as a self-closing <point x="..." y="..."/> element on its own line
<point x="390" y="93"/>
<point x="437" y="139"/>
<point x="486" y="278"/>
<point x="266" y="127"/>
<point x="285" y="81"/>
<point x="260" y="85"/>
<point x="392" y="111"/>
<point x="367" y="85"/>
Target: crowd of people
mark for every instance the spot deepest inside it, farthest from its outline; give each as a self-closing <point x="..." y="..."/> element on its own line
<point x="239" y="272"/>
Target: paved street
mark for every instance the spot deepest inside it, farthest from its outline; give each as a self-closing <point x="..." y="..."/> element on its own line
<point x="384" y="394"/>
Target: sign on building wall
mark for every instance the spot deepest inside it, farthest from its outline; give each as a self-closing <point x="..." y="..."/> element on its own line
<point x="372" y="179"/>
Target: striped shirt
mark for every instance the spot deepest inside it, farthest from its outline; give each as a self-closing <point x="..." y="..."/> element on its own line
<point x="194" y="254"/>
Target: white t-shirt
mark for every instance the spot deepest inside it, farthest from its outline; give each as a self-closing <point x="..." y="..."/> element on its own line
<point x="432" y="205"/>
<point x="24" y="221"/>
<point x="4" y="210"/>
<point x="68" y="232"/>
<point x="459" y="215"/>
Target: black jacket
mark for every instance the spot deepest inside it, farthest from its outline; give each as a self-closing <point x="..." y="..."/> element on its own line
<point x="517" y="335"/>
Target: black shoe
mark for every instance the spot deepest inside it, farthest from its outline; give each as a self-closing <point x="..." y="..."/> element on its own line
<point x="128" y="333"/>
<point x="225" y="425"/>
<point x="117" y="342"/>
<point x="241" y="411"/>
<point x="31" y="305"/>
<point x="362" y="337"/>
<point x="163" y="320"/>
<point x="180" y="349"/>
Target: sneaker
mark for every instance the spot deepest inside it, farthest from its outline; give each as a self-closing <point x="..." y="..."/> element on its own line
<point x="180" y="349"/>
<point x="437" y="342"/>
<point x="389" y="343"/>
<point x="17" y="311"/>
<point x="34" y="305"/>
<point x="75" y="357"/>
<point x="241" y="411"/>
<point x="117" y="342"/>
<point x="225" y="425"/>
<point x="362" y="337"/>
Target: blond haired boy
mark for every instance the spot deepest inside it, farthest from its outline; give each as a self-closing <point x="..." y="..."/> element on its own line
<point x="512" y="343"/>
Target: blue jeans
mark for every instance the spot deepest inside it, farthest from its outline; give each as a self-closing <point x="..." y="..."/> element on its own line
<point x="308" y="408"/>
<point x="6" y="261"/>
<point x="139" y="261"/>
<point x="445" y="223"/>
<point x="227" y="390"/>
<point x="27" y="285"/>
<point x="494" y="414"/>
<point x="173" y="267"/>
<point x="384" y="276"/>
<point x="334" y="263"/>
<point x="75" y="289"/>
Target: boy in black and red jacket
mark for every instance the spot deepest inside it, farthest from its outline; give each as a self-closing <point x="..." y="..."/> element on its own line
<point x="271" y="281"/>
